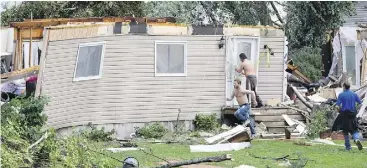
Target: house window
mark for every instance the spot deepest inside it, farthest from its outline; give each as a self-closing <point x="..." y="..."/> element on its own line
<point x="89" y="61"/>
<point x="170" y="58"/>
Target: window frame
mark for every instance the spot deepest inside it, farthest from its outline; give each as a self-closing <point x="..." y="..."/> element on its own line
<point x="358" y="78"/>
<point x="184" y="74"/>
<point x="103" y="43"/>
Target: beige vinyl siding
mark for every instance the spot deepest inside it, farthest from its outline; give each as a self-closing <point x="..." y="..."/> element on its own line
<point x="128" y="90"/>
<point x="270" y="79"/>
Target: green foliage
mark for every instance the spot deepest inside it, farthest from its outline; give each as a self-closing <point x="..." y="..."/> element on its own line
<point x="309" y="21"/>
<point x="155" y="130"/>
<point x="69" y="9"/>
<point x="21" y="124"/>
<point x="309" y="60"/>
<point x="206" y="122"/>
<point x="207" y="12"/>
<point x="75" y="151"/>
<point x="99" y="135"/>
<point x="319" y="121"/>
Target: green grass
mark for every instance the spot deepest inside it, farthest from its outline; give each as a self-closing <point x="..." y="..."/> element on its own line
<point x="322" y="155"/>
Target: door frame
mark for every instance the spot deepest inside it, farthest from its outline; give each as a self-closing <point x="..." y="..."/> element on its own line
<point x="356" y="61"/>
<point x="227" y="48"/>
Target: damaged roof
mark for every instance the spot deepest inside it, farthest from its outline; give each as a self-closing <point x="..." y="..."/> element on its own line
<point x="39" y="23"/>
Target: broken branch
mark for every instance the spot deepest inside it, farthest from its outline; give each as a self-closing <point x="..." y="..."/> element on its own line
<point x="276" y="12"/>
<point x="278" y="158"/>
<point x="44" y="136"/>
<point x="196" y="161"/>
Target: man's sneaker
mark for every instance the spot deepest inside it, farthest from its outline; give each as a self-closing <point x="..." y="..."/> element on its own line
<point x="246" y="123"/>
<point x="359" y="144"/>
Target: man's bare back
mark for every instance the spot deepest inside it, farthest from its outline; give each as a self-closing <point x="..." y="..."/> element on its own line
<point x="246" y="68"/>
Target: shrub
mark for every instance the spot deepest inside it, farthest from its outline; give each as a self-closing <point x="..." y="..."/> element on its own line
<point x="206" y="122"/>
<point x="309" y="60"/>
<point x="319" y="122"/>
<point x="95" y="134"/>
<point x="155" y="130"/>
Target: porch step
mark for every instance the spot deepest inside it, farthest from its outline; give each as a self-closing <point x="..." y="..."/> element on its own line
<point x="271" y="117"/>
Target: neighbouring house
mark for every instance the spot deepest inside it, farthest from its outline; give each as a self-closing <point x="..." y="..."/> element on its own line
<point x="348" y="49"/>
<point x="124" y="74"/>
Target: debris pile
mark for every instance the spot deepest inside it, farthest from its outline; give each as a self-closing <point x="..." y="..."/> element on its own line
<point x="323" y="95"/>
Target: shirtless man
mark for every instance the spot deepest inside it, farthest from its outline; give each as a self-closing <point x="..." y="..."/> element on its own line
<point x="246" y="68"/>
<point x="243" y="112"/>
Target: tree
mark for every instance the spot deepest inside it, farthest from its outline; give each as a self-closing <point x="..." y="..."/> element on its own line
<point x="307" y="22"/>
<point x="69" y="9"/>
<point x="208" y="12"/>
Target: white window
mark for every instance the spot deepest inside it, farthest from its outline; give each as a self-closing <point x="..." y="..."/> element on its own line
<point x="89" y="61"/>
<point x="170" y="58"/>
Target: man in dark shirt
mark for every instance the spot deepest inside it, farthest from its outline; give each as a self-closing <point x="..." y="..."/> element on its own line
<point x="347" y="108"/>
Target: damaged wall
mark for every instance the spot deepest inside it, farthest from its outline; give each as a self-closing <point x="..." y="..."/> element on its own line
<point x="129" y="92"/>
<point x="125" y="93"/>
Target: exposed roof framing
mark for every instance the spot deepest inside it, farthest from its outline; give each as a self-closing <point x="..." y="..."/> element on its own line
<point x="39" y="23"/>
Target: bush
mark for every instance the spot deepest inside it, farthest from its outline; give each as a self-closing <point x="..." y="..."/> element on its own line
<point x="21" y="124"/>
<point x="155" y="130"/>
<point x="95" y="134"/>
<point x="319" y="122"/>
<point x="309" y="60"/>
<point x="206" y="122"/>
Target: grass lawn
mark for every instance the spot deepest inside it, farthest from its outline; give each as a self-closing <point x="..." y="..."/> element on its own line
<point x="323" y="155"/>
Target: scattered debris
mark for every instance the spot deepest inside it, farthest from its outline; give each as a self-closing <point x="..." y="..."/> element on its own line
<point x="226" y="135"/>
<point x="116" y="150"/>
<point x="303" y="100"/>
<point x="195" y="161"/>
<point x="225" y="127"/>
<point x="205" y="134"/>
<point x="316" y="98"/>
<point x="285" y="164"/>
<point x="274" y="102"/>
<point x="220" y="147"/>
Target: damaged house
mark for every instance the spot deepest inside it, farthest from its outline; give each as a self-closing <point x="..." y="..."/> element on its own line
<point x="349" y="49"/>
<point x="121" y="73"/>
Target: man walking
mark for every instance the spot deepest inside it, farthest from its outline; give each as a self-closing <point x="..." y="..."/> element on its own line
<point x="243" y="112"/>
<point x="246" y="68"/>
<point x="346" y="104"/>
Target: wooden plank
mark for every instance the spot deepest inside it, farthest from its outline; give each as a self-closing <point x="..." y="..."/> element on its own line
<point x="289" y="121"/>
<point x="277" y="118"/>
<point x="275" y="123"/>
<point x="220" y="136"/>
<point x="35" y="33"/>
<point x="42" y="64"/>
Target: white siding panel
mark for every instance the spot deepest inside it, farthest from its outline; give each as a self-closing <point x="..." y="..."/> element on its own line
<point x="128" y="90"/>
<point x="270" y="78"/>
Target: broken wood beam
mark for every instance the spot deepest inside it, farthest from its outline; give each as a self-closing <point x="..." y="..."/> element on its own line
<point x="299" y="95"/>
<point x="232" y="132"/>
<point x="196" y="161"/>
<point x="362" y="109"/>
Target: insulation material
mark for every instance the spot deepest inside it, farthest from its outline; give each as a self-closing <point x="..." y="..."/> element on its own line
<point x="243" y="31"/>
<point x="167" y="30"/>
